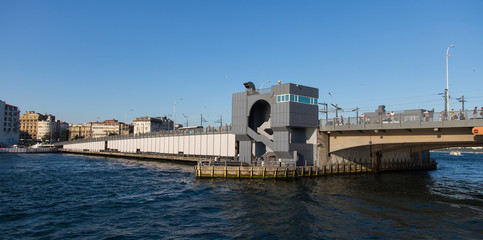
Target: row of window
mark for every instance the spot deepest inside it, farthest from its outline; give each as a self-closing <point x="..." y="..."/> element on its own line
<point x="10" y="130"/>
<point x="11" y="108"/>
<point x="10" y="114"/>
<point x="9" y="119"/>
<point x="296" y="98"/>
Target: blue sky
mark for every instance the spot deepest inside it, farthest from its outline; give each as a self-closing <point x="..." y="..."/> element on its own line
<point x="95" y="60"/>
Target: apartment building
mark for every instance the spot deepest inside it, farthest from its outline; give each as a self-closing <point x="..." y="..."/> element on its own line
<point x="51" y="129"/>
<point x="9" y="124"/>
<point x="99" y="129"/>
<point x="80" y="131"/>
<point x="106" y="128"/>
<point x="149" y="124"/>
<point x="29" y="124"/>
<point x="46" y="129"/>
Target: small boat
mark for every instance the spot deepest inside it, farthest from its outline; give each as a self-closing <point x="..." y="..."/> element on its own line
<point x="455" y="153"/>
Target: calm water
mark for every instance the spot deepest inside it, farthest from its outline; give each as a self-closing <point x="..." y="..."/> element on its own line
<point x="55" y="196"/>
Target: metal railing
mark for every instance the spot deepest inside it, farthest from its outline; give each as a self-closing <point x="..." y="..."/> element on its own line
<point x="28" y="150"/>
<point x="400" y="118"/>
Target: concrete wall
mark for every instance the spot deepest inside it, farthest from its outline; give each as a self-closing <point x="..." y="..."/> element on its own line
<point x="222" y="144"/>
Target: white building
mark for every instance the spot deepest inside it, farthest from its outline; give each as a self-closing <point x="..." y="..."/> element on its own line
<point x="9" y="124"/>
<point x="149" y="124"/>
<point x="46" y="128"/>
<point x="106" y="128"/>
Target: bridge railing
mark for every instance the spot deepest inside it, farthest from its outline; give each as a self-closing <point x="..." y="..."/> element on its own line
<point x="399" y="118"/>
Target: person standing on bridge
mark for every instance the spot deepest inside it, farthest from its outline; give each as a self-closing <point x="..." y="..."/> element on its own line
<point x="452" y="114"/>
<point x="475" y="113"/>
<point x="481" y="112"/>
<point x="426" y="115"/>
<point x="445" y="115"/>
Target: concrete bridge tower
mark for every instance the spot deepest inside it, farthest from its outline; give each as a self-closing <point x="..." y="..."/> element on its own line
<point x="276" y="123"/>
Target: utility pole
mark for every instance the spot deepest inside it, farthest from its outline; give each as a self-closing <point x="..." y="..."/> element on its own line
<point x="202" y="120"/>
<point x="325" y="110"/>
<point x="462" y="101"/>
<point x="220" y="121"/>
<point x="337" y="108"/>
<point x="357" y="115"/>
<point x="446" y="101"/>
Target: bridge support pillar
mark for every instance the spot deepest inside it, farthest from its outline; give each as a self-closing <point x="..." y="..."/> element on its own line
<point x="323" y="149"/>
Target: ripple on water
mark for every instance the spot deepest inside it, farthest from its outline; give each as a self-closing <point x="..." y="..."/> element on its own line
<point x="58" y="196"/>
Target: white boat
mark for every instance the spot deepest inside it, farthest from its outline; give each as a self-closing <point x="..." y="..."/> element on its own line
<point x="455" y="153"/>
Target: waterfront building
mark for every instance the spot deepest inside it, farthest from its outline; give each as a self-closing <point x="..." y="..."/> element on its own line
<point x="29" y="123"/>
<point x="99" y="129"/>
<point x="149" y="124"/>
<point x="126" y="129"/>
<point x="106" y="128"/>
<point x="9" y="124"/>
<point x="51" y="129"/>
<point x="46" y="129"/>
<point x="80" y="131"/>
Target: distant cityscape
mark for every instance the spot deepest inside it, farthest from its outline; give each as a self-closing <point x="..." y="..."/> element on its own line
<point x="32" y="128"/>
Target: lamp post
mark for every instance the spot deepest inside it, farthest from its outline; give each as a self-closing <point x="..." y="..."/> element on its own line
<point x="447" y="78"/>
<point x="261" y="86"/>
<point x="174" y="120"/>
<point x="125" y="113"/>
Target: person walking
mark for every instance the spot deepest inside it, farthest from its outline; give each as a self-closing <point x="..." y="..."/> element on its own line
<point x="475" y="113"/>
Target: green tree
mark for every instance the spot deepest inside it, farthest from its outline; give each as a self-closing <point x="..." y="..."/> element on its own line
<point x="46" y="137"/>
<point x="64" y="135"/>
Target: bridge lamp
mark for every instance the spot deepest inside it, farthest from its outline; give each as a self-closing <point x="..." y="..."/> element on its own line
<point x="447" y="78"/>
<point x="261" y="86"/>
<point x="174" y="115"/>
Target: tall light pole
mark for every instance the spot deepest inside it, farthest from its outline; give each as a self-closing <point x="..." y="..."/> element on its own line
<point x="447" y="78"/>
<point x="261" y="86"/>
<point x="125" y="113"/>
<point x="174" y="120"/>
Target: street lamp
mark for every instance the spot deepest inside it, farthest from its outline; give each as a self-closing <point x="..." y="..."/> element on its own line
<point x="261" y="86"/>
<point x="187" y="120"/>
<point x="125" y="113"/>
<point x="447" y="78"/>
<point x="174" y="121"/>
